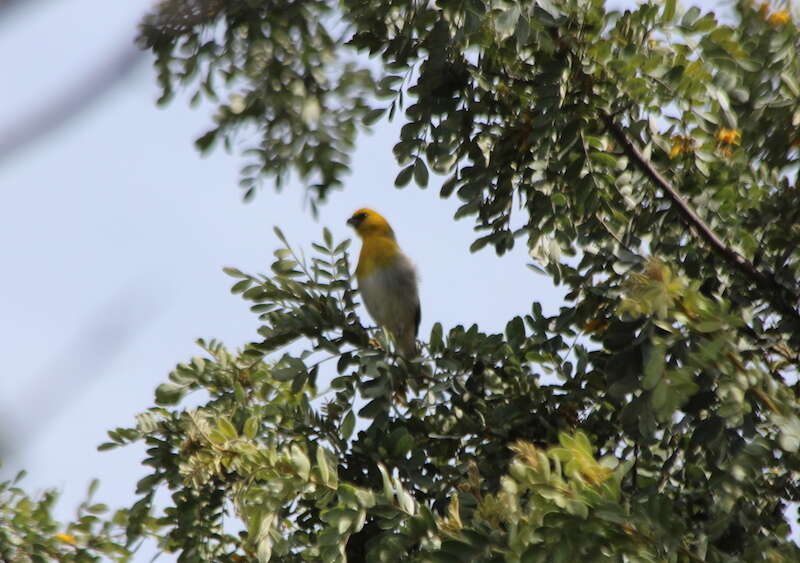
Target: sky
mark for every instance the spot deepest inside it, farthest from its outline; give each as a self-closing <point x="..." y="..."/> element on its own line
<point x="115" y="233"/>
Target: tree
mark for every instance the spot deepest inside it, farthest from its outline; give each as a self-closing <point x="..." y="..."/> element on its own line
<point x="652" y="156"/>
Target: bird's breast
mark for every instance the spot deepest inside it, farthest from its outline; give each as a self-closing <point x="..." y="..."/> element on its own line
<point x="389" y="291"/>
<point x="376" y="253"/>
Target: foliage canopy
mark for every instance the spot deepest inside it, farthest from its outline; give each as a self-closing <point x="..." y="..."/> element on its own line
<point x="651" y="155"/>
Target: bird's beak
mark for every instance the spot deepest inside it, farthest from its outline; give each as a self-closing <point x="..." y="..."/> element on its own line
<point x="352" y="221"/>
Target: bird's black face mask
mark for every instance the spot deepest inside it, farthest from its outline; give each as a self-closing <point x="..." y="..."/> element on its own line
<point x="356" y="220"/>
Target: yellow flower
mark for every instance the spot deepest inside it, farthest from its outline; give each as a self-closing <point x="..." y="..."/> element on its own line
<point x="780" y="17"/>
<point x="729" y="136"/>
<point x="680" y="145"/>
<point x="595" y="325"/>
<point x="67" y="538"/>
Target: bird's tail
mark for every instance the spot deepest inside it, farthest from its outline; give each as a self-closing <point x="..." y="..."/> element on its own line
<point x="407" y="344"/>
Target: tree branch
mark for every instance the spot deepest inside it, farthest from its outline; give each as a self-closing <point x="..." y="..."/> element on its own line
<point x="778" y="295"/>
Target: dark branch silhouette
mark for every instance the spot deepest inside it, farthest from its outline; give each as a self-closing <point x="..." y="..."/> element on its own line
<point x="6" y="5"/>
<point x="72" y="102"/>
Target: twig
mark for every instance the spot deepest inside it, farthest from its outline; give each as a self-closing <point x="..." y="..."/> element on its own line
<point x="667" y="467"/>
<point x="775" y="293"/>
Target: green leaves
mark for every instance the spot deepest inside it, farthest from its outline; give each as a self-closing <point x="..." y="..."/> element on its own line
<point x="506" y="21"/>
<point x="321" y="94"/>
<point x="515" y="332"/>
<point x="654" y="365"/>
<point x="690" y="16"/>
<point x="789" y="429"/>
<point x="289" y="368"/>
<point x="436" y="430"/>
<point x="169" y="393"/>
<point x="420" y="173"/>
<point x="666" y="383"/>
<point x="373" y="116"/>
<point x="29" y="531"/>
<point x="672" y="392"/>
<point x="669" y="10"/>
<point x="300" y="460"/>
<point x="404" y="177"/>
<point x="348" y="424"/>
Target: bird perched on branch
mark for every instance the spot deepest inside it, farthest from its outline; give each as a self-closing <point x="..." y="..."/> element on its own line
<point x="387" y="280"/>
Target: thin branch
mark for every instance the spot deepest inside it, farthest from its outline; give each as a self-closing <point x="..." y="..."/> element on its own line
<point x="667" y="467"/>
<point x="775" y="293"/>
<point x="6" y="5"/>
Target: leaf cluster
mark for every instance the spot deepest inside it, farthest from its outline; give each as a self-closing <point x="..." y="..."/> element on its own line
<point x="29" y="533"/>
<point x="448" y="455"/>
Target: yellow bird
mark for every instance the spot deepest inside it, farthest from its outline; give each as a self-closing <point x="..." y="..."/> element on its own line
<point x="387" y="280"/>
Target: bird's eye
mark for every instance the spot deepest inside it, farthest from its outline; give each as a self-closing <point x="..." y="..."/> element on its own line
<point x="357" y="219"/>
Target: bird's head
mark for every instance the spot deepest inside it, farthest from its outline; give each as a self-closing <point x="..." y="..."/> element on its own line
<point x="367" y="223"/>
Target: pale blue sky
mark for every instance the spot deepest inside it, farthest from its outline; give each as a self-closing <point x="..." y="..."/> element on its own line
<point x="115" y="232"/>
